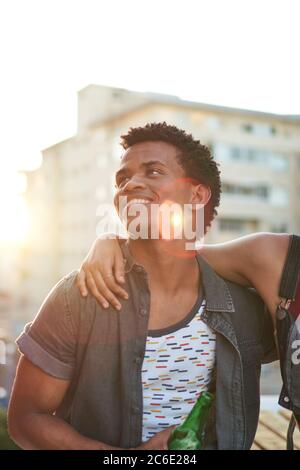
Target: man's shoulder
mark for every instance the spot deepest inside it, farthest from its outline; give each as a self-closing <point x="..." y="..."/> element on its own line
<point x="245" y="295"/>
<point x="66" y="294"/>
<point x="248" y="314"/>
<point x="49" y="341"/>
<point x="68" y="283"/>
<point x="64" y="289"/>
<point x="251" y="317"/>
<point x="226" y="291"/>
<point x="244" y="291"/>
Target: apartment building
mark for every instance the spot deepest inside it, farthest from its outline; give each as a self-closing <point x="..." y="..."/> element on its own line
<point x="258" y="153"/>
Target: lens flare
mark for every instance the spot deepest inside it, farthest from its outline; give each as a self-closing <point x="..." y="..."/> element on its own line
<point x="176" y="219"/>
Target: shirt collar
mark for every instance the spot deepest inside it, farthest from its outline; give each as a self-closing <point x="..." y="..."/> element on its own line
<point x="216" y="291"/>
<point x="130" y="262"/>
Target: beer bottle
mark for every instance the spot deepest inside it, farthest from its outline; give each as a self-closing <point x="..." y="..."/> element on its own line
<point x="191" y="433"/>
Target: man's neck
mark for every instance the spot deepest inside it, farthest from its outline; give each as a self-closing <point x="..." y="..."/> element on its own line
<point x="167" y="263"/>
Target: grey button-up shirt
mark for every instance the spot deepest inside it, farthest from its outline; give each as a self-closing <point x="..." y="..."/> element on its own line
<point x="101" y="352"/>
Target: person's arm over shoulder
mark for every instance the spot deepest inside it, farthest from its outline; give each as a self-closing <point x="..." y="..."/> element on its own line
<point x="256" y="260"/>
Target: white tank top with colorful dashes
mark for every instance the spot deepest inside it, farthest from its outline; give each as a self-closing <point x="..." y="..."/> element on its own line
<point x="177" y="367"/>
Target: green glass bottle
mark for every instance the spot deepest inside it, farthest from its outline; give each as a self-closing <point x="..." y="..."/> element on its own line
<point x="191" y="433"/>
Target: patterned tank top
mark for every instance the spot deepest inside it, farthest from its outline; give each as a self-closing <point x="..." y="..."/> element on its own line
<point x="177" y="367"/>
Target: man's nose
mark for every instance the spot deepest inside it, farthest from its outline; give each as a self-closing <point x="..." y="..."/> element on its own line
<point x="134" y="183"/>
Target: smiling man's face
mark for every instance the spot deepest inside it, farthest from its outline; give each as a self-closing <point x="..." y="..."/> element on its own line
<point x="151" y="174"/>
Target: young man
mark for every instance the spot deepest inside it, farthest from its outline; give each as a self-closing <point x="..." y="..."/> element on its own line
<point x="96" y="379"/>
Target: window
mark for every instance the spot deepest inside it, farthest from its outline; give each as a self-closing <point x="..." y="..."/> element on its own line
<point x="247" y="127"/>
<point x="258" y="191"/>
<point x="262" y="192"/>
<point x="232" y="225"/>
<point x="221" y="152"/>
<point x="259" y="129"/>
<point x="279" y="227"/>
<point x="248" y="155"/>
<point x="237" y="225"/>
<point x="279" y="197"/>
<point x="278" y="162"/>
<point x="213" y="123"/>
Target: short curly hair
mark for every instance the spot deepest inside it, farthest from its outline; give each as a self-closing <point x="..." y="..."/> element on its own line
<point x="194" y="157"/>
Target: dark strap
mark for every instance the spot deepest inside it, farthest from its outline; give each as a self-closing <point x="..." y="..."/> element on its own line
<point x="291" y="270"/>
<point x="290" y="432"/>
<point x="287" y="291"/>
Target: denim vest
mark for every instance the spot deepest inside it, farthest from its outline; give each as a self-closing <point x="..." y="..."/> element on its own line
<point x="245" y="340"/>
<point x="101" y="351"/>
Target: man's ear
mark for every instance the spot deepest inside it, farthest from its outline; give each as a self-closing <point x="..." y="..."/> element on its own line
<point x="201" y="194"/>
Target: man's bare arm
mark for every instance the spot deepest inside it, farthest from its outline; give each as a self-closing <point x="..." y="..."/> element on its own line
<point x="256" y="260"/>
<point x="32" y="424"/>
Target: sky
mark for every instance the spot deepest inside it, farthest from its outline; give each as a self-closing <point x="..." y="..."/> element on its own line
<point x="228" y="52"/>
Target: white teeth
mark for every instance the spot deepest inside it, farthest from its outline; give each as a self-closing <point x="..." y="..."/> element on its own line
<point x="139" y="201"/>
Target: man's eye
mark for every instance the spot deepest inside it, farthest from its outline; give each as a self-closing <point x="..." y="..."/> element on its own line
<point x="122" y="181"/>
<point x="154" y="171"/>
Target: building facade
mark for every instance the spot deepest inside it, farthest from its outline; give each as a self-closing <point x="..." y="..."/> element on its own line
<point x="258" y="154"/>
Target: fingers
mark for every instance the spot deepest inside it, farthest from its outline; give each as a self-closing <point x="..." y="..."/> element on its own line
<point x="119" y="267"/>
<point x="111" y="284"/>
<point x="102" y="272"/>
<point x="166" y="434"/>
<point x="94" y="290"/>
<point x="102" y="286"/>
<point x="98" y="288"/>
<point x="102" y="289"/>
<point x="160" y="440"/>
<point x="110" y="279"/>
<point x="81" y="283"/>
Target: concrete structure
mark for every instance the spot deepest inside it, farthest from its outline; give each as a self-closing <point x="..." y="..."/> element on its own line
<point x="258" y="155"/>
<point x="10" y="280"/>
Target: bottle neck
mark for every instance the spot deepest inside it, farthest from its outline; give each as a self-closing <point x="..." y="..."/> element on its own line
<point x="199" y="414"/>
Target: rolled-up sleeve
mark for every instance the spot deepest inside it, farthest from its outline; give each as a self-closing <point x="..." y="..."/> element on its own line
<point x="49" y="341"/>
